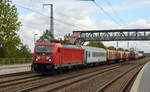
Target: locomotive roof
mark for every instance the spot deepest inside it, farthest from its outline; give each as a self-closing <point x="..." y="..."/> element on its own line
<point x="72" y="46"/>
<point x="46" y="43"/>
<point x="88" y="47"/>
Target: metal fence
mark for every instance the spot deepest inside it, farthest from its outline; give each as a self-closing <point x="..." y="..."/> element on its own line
<point x="11" y="61"/>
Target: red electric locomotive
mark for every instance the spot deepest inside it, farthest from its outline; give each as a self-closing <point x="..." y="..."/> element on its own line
<point x="133" y="55"/>
<point x="127" y="55"/>
<point x="50" y="56"/>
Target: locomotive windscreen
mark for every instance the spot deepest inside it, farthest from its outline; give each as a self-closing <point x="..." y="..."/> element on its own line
<point x="44" y="50"/>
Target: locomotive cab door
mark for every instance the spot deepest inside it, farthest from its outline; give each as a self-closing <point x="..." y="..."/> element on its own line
<point x="59" y="57"/>
<point x="86" y="56"/>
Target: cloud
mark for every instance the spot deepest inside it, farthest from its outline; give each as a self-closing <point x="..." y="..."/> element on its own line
<point x="135" y="4"/>
<point x="34" y="23"/>
<point x="107" y="24"/>
<point x="138" y="24"/>
<point x="141" y="23"/>
<point x="66" y="21"/>
<point x="70" y="16"/>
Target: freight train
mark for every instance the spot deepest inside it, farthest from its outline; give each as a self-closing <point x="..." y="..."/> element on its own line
<point x="55" y="56"/>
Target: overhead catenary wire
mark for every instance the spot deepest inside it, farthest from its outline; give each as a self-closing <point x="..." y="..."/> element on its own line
<point x="107" y="14"/>
<point x="121" y="20"/>
<point x="47" y="16"/>
<point x="69" y="23"/>
<point x="114" y="11"/>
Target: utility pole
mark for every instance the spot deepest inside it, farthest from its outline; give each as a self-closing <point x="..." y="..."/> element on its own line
<point x="128" y="45"/>
<point x="35" y="38"/>
<point x="117" y="45"/>
<point x="51" y="18"/>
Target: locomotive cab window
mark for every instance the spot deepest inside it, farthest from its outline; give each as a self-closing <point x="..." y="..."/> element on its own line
<point x="44" y="50"/>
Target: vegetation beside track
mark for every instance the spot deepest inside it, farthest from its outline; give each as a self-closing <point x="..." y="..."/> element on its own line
<point x="12" y="61"/>
<point x="10" y="43"/>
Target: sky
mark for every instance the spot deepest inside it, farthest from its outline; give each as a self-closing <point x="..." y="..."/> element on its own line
<point x="71" y="15"/>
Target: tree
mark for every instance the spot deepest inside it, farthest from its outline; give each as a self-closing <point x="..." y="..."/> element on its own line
<point x="97" y="44"/>
<point x="47" y="37"/>
<point x="65" y="39"/>
<point x="141" y="52"/>
<point x="9" y="26"/>
<point x="23" y="51"/>
<point x="120" y="49"/>
<point x="126" y="50"/>
<point x="111" y="48"/>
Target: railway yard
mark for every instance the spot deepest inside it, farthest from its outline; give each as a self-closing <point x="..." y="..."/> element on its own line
<point x="117" y="77"/>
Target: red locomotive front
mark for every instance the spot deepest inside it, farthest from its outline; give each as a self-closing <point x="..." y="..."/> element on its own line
<point x="44" y="56"/>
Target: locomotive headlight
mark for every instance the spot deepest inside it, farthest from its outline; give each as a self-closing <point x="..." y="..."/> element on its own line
<point x="49" y="58"/>
<point x="37" y="58"/>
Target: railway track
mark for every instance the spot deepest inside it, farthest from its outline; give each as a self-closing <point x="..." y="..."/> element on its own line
<point x="20" y="80"/>
<point x="123" y="80"/>
<point x="129" y="83"/>
<point x="16" y="74"/>
<point x="54" y="82"/>
<point x="24" y="82"/>
<point x="8" y="79"/>
<point x="16" y="79"/>
<point x="62" y="83"/>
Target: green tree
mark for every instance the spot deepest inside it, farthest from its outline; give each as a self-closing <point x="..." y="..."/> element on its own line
<point x="120" y="49"/>
<point x="111" y="48"/>
<point x="23" y="51"/>
<point x="47" y="37"/>
<point x="141" y="51"/>
<point x="126" y="50"/>
<point x="97" y="44"/>
<point x="65" y="39"/>
<point x="9" y="26"/>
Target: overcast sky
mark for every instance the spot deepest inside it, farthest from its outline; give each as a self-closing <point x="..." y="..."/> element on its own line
<point x="73" y="15"/>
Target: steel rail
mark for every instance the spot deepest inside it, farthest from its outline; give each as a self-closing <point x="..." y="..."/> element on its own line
<point x="16" y="74"/>
<point x="67" y="78"/>
<point x="117" y="77"/>
<point x="129" y="81"/>
<point x="17" y="79"/>
<point x="84" y="78"/>
<point x="21" y="82"/>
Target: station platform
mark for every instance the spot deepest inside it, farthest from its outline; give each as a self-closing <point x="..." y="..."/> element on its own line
<point x="142" y="82"/>
<point x="7" y="69"/>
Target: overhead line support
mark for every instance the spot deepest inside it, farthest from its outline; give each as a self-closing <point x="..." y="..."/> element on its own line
<point x="51" y="18"/>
